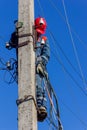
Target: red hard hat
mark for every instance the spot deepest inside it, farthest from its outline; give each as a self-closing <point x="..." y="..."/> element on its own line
<point x="40" y="25"/>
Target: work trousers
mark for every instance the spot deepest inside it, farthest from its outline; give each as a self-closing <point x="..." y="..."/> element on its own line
<point x="40" y="91"/>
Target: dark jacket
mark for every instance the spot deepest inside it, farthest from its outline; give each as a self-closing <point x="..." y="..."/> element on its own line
<point x="42" y="50"/>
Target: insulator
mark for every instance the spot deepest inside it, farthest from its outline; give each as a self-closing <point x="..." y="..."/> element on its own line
<point x="7" y="45"/>
<point x="8" y="64"/>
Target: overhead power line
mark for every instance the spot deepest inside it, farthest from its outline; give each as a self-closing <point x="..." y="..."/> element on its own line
<point x="79" y="74"/>
<point x="75" y="51"/>
<point x="64" y="68"/>
<point x="66" y="21"/>
<point x="69" y="75"/>
<point x="74" y="114"/>
<point x="2" y="61"/>
<point x="42" y="12"/>
<point x="63" y="18"/>
<point x="66" y="57"/>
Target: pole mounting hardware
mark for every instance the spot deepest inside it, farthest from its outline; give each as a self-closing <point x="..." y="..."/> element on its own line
<point x="18" y="24"/>
<point x="25" y="99"/>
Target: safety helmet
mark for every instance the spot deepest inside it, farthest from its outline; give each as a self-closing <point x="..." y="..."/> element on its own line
<point x="40" y="25"/>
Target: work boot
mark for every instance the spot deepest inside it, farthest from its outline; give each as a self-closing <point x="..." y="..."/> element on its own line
<point x="41" y="114"/>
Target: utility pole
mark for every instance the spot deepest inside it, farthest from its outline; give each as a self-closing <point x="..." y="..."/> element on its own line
<point x="27" y="114"/>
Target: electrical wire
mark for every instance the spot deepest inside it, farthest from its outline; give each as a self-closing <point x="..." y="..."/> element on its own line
<point x="51" y="124"/>
<point x="2" y="61"/>
<point x="42" y="12"/>
<point x="75" y="81"/>
<point x="75" y="51"/>
<point x="64" y="68"/>
<point x="12" y="70"/>
<point x="50" y="99"/>
<point x="62" y="49"/>
<point x="71" y="77"/>
<point x="12" y="79"/>
<point x="74" y="114"/>
<point x="77" y="117"/>
<point x="63" y="18"/>
<point x="81" y="76"/>
<point x="59" y="46"/>
<point x="56" y="112"/>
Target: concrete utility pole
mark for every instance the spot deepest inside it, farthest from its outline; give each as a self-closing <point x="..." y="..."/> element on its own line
<point x="27" y="115"/>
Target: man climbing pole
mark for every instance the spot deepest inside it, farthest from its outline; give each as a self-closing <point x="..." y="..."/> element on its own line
<point x="42" y="52"/>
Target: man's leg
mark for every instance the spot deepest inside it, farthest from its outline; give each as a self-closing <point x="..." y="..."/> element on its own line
<point x="39" y="97"/>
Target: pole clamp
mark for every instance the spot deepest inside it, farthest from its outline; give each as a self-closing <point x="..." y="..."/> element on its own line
<point x="25" y="99"/>
<point x="26" y="42"/>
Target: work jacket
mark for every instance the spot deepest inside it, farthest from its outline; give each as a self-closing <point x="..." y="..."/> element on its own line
<point x="42" y="50"/>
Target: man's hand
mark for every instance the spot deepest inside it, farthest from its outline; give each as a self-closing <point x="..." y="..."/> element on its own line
<point x="40" y="69"/>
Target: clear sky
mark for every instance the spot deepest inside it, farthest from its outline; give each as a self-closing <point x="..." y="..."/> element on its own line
<point x="67" y="67"/>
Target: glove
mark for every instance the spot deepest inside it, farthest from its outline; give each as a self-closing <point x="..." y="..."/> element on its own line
<point x="40" y="69"/>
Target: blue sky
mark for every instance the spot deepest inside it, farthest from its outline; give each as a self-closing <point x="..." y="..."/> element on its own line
<point x="67" y="82"/>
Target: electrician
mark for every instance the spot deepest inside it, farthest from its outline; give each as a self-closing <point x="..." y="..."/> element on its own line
<point x="42" y="53"/>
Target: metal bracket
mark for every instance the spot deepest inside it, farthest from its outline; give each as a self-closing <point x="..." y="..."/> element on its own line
<point x="23" y="44"/>
<point x="25" y="35"/>
<point x="26" y="42"/>
<point x="18" y="24"/>
<point x="26" y="98"/>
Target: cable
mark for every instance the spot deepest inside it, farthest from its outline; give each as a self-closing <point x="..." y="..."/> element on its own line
<point x="80" y="120"/>
<point x="51" y="124"/>
<point x="50" y="91"/>
<point x="42" y="12"/>
<point x="75" y="51"/>
<point x="68" y="108"/>
<point x="67" y="58"/>
<point x="70" y="75"/>
<point x="58" y="45"/>
<point x="58" y="12"/>
<point x="2" y="61"/>
<point x="77" y="84"/>
<point x="11" y="67"/>
<point x="70" y="111"/>
<point x="64" y="68"/>
<point x="53" y="38"/>
<point x="12" y="79"/>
